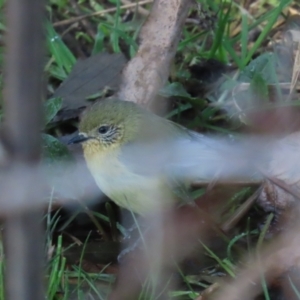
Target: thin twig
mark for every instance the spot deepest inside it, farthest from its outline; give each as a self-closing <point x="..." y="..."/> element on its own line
<point x="99" y="13"/>
<point x="86" y="23"/>
<point x="240" y="212"/>
<point x="141" y="10"/>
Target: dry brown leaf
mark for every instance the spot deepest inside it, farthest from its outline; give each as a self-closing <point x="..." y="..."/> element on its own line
<point x="284" y="166"/>
<point x="88" y="77"/>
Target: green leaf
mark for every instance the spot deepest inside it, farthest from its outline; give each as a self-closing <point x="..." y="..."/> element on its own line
<point x="223" y="21"/>
<point x="264" y="65"/>
<point x="54" y="150"/>
<point x="244" y="37"/>
<point x="99" y="39"/>
<point x="178" y="110"/>
<point x="115" y="33"/>
<point x="120" y="33"/>
<point x="174" y="89"/>
<point x="266" y="29"/>
<point x="52" y="106"/>
<point x="230" y="49"/>
<point x="259" y="88"/>
<point x="63" y="57"/>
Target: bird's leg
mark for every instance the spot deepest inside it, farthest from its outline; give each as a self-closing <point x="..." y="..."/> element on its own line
<point x="128" y="249"/>
<point x="132" y="235"/>
<point x="128" y="231"/>
<point x="138" y="243"/>
<point x="146" y="227"/>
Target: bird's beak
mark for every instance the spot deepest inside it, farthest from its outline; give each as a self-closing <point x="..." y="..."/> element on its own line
<point x="79" y="138"/>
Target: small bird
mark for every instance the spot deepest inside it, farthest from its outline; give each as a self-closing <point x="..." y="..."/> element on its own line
<point x="141" y="161"/>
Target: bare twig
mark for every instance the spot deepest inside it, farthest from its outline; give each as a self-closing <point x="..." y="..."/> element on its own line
<point x="100" y="13"/>
<point x="140" y="9"/>
<point x="88" y="27"/>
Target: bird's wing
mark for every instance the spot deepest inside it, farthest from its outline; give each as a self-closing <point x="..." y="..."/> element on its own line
<point x="205" y="157"/>
<point x="187" y="156"/>
<point x="146" y="158"/>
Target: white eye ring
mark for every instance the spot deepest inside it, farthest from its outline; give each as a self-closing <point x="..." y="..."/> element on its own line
<point x="103" y="129"/>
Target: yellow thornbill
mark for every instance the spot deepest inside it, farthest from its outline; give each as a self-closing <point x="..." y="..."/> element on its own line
<point x="138" y="158"/>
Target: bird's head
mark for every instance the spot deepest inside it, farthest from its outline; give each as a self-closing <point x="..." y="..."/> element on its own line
<point x="108" y="124"/>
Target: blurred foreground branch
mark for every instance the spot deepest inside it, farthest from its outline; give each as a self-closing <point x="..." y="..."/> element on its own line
<point x="23" y="230"/>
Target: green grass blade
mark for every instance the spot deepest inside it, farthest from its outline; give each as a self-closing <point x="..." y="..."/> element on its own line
<point x="224" y="264"/>
<point x="296" y="291"/>
<point x="63" y="57"/>
<point x="115" y="33"/>
<point x="244" y="37"/>
<point x="273" y="18"/>
<point x="218" y="39"/>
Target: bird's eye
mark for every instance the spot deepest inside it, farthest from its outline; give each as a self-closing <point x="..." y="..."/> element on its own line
<point x="103" y="129"/>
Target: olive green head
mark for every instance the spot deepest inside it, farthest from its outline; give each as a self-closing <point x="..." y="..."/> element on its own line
<point x="111" y="121"/>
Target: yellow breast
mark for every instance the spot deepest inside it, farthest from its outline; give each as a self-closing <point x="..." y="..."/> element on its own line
<point x="135" y="192"/>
